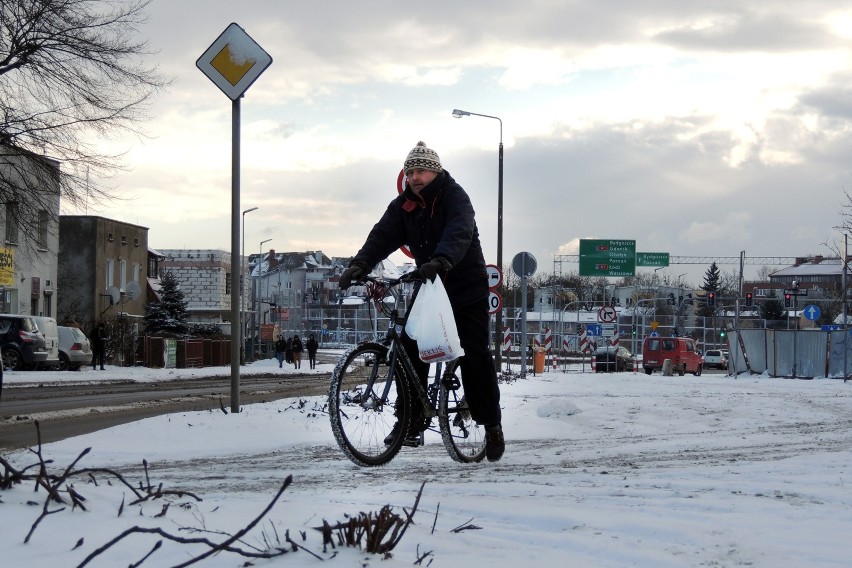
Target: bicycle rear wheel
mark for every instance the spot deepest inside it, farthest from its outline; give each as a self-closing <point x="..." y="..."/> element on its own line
<point x="464" y="439"/>
<point x="365" y="402"/>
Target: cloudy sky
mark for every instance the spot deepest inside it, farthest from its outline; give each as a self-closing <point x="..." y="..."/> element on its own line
<point x="698" y="128"/>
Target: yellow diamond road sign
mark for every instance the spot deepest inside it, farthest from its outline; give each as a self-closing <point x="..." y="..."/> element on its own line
<point x="233" y="61"/>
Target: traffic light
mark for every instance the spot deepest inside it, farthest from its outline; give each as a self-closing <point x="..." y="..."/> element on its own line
<point x="749" y="299"/>
<point x="711" y="299"/>
<point x="722" y="333"/>
<point x="633" y="329"/>
<point x="788" y="299"/>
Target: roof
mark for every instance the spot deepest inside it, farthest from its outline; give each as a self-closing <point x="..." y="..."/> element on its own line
<point x="829" y="267"/>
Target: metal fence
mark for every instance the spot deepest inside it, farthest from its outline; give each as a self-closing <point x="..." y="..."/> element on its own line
<point x="790" y="353"/>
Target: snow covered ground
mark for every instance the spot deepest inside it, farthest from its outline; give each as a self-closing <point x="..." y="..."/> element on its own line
<point x="599" y="471"/>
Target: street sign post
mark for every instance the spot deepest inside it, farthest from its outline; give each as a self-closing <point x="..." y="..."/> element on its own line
<point x="652" y="259"/>
<point x="607" y="257"/>
<point x="233" y="62"/>
<point x="495" y="302"/>
<point x="524" y="265"/>
<point x="607" y="314"/>
<point x="495" y="276"/>
<point x="594" y="329"/>
<point x="812" y="312"/>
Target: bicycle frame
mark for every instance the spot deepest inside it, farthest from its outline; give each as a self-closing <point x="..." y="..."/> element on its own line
<point x="367" y="404"/>
<point x="393" y="340"/>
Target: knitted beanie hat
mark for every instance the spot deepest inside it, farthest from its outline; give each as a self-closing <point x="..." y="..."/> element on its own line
<point x="422" y="158"/>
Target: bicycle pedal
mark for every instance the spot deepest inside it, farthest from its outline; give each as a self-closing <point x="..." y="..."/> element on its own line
<point x="411" y="441"/>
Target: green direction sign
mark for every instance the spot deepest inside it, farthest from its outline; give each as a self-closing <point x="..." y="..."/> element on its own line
<point x="652" y="259"/>
<point x="607" y="257"/>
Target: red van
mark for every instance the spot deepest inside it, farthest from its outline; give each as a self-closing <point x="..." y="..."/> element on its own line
<point x="681" y="350"/>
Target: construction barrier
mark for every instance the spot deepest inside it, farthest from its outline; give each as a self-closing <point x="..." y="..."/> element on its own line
<point x="538" y="361"/>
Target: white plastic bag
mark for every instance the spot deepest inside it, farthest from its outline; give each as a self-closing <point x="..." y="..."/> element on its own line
<point x="432" y="325"/>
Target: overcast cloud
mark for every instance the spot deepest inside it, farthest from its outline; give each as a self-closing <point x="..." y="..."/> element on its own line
<point x="695" y="128"/>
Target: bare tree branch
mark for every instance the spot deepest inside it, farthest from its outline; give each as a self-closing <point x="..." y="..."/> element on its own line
<point x="71" y="74"/>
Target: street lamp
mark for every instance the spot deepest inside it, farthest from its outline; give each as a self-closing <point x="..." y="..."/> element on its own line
<point x="498" y="332"/>
<point x="259" y="281"/>
<point x="243" y="284"/>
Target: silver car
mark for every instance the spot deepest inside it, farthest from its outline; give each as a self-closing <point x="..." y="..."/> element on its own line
<point x="74" y="349"/>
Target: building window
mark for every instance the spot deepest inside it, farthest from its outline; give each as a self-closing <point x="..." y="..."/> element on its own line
<point x="227" y="283"/>
<point x="12" y="223"/>
<point x="122" y="274"/>
<point x="123" y="240"/>
<point x="110" y="237"/>
<point x="43" y="221"/>
<point x="136" y="242"/>
<point x="137" y="272"/>
<point x="110" y="273"/>
<point x="153" y="266"/>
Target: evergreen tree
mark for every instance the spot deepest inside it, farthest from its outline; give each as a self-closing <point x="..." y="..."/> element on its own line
<point x="711" y="284"/>
<point x="773" y="308"/>
<point x="169" y="316"/>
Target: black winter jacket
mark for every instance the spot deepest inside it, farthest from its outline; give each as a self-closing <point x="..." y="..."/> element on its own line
<point x="438" y="223"/>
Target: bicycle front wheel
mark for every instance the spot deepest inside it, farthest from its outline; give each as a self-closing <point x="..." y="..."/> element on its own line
<point x="365" y="402"/>
<point x="463" y="438"/>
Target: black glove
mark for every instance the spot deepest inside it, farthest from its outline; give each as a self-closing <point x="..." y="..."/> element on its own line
<point x="355" y="272"/>
<point x="437" y="265"/>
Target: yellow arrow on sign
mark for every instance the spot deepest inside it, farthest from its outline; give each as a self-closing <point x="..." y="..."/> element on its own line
<point x="654" y="325"/>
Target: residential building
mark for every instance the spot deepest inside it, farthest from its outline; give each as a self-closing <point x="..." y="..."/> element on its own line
<point x="28" y="256"/>
<point x="287" y="285"/>
<point x="105" y="269"/>
<point x="205" y="280"/>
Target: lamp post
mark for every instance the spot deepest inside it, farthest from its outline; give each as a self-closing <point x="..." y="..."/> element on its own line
<point x="259" y="281"/>
<point x="242" y="335"/>
<point x="795" y="323"/>
<point x="498" y="332"/>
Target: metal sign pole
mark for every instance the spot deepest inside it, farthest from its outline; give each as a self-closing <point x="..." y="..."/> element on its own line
<point x="524" y="324"/>
<point x="236" y="338"/>
<point x="845" y="308"/>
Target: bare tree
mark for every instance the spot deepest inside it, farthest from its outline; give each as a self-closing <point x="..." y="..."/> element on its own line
<point x="71" y="74"/>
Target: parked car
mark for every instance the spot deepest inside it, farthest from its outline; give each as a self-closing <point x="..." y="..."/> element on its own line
<point x="21" y="343"/>
<point x="716" y="359"/>
<point x="612" y="359"/>
<point x="47" y="326"/>
<point x="681" y="351"/>
<point x="74" y="349"/>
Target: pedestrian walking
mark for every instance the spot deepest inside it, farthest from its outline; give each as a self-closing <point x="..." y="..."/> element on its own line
<point x="297" y="352"/>
<point x="280" y="349"/>
<point x="312" y="347"/>
<point x="288" y="350"/>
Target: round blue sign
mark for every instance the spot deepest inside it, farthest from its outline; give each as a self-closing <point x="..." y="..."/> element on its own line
<point x="811" y="312"/>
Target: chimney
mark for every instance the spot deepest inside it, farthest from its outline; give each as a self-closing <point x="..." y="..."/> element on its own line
<point x="818" y="259"/>
<point x="272" y="261"/>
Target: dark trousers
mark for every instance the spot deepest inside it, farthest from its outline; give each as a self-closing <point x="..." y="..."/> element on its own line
<point x="98" y="357"/>
<point x="478" y="376"/>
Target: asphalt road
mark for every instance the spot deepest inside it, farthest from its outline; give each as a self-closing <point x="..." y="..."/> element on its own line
<point x="67" y="410"/>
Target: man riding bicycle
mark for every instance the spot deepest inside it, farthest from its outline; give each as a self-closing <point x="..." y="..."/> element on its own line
<point x="434" y="218"/>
